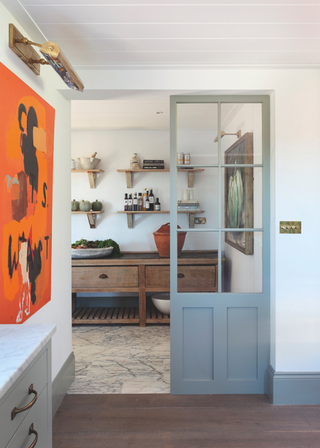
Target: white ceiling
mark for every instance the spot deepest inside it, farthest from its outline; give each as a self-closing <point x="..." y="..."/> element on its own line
<point x="104" y="34"/>
<point x="168" y="34"/>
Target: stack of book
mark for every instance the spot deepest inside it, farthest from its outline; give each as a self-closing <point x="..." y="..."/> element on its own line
<point x="188" y="205"/>
<point x="153" y="164"/>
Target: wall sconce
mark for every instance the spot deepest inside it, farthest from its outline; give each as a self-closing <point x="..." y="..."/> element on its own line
<point x="238" y="134"/>
<point x="52" y="56"/>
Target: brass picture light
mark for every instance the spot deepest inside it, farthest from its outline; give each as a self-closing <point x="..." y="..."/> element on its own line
<point x="52" y="56"/>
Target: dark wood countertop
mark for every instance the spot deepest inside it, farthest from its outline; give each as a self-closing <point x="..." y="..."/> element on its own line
<point x="152" y="258"/>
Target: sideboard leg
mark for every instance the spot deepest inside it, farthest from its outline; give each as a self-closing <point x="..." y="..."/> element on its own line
<point x="142" y="296"/>
<point x="74" y="301"/>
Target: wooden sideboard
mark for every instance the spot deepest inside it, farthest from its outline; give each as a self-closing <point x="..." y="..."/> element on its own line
<point x="139" y="272"/>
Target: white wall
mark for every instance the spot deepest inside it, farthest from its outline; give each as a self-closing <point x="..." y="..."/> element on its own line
<point x="295" y="157"/>
<point x="58" y="310"/>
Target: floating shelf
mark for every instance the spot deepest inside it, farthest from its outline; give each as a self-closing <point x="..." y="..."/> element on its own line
<point x="92" y="218"/>
<point x="92" y="174"/>
<point x="130" y="216"/>
<point x="190" y="171"/>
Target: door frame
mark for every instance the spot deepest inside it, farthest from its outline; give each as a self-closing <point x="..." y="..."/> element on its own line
<point x="178" y="384"/>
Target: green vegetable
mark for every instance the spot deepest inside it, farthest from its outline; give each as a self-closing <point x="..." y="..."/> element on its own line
<point x="85" y="244"/>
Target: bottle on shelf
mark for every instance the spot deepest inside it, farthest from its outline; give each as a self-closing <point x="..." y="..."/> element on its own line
<point x="139" y="202"/>
<point x="147" y="203"/>
<point x="130" y="203"/>
<point x="144" y="199"/>
<point x="135" y="202"/>
<point x="151" y="200"/>
<point x="157" y="205"/>
<point x="126" y="202"/>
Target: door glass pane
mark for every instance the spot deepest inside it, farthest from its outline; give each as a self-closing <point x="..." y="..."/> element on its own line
<point x="200" y="201"/>
<point x="242" y="266"/>
<point x="241" y="131"/>
<point x="242" y="198"/>
<point x="196" y="132"/>
<point x="198" y="262"/>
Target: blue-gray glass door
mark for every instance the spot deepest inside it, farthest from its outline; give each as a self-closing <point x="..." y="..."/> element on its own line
<point x="219" y="163"/>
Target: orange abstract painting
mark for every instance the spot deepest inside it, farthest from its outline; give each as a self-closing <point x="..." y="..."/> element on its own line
<point x="26" y="170"/>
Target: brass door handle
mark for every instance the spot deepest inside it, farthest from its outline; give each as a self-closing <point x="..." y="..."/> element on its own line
<point x="181" y="275"/>
<point x="103" y="276"/>
<point x="33" y="431"/>
<point x="16" y="411"/>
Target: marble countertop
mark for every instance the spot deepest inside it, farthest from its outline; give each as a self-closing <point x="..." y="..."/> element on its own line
<point x="19" y="345"/>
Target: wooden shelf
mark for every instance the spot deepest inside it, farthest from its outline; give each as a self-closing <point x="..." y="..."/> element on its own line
<point x="92" y="218"/>
<point x="130" y="215"/>
<point x="92" y="175"/>
<point x="190" y="171"/>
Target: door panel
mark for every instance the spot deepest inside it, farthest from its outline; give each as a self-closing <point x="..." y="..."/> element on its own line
<point x="242" y="345"/>
<point x="198" y="359"/>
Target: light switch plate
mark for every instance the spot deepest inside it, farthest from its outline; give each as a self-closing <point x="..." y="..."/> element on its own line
<point x="290" y="226"/>
<point x="200" y="220"/>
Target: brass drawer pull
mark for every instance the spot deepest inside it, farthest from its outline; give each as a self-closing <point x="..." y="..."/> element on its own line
<point x="33" y="431"/>
<point x="181" y="275"/>
<point x="16" y="411"/>
<point x="103" y="276"/>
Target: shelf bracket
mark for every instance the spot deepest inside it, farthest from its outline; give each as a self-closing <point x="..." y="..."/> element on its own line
<point x="129" y="179"/>
<point x="92" y="179"/>
<point x="92" y="218"/>
<point x="130" y="220"/>
<point x="191" y="220"/>
<point x="190" y="179"/>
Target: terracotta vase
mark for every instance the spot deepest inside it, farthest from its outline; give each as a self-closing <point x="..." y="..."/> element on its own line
<point x="162" y="240"/>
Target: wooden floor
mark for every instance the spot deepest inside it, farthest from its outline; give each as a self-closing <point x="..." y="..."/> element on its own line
<point x="171" y="421"/>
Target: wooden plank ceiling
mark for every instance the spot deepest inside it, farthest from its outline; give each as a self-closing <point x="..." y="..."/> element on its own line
<point x="120" y="34"/>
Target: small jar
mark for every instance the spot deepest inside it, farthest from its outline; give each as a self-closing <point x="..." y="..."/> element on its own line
<point x="179" y="158"/>
<point x="186" y="158"/>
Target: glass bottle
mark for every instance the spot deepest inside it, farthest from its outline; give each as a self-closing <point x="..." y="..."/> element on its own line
<point x="139" y="202"/>
<point x="147" y="203"/>
<point x="157" y="205"/>
<point x="144" y="199"/>
<point x="126" y="202"/>
<point x="151" y="200"/>
<point x="130" y="203"/>
<point x="135" y="202"/>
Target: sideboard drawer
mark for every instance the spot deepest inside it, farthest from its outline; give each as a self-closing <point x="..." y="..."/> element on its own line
<point x="92" y="277"/>
<point x="19" y="398"/>
<point x="158" y="277"/>
<point x="190" y="278"/>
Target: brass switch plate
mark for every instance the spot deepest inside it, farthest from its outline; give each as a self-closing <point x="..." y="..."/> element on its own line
<point x="290" y="226"/>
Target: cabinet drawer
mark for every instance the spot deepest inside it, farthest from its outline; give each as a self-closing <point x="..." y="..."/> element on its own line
<point x="36" y="375"/>
<point x="190" y="278"/>
<point x="95" y="277"/>
<point x="38" y="417"/>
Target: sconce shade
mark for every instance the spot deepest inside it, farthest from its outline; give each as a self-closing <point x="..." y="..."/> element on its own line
<point x="56" y="58"/>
